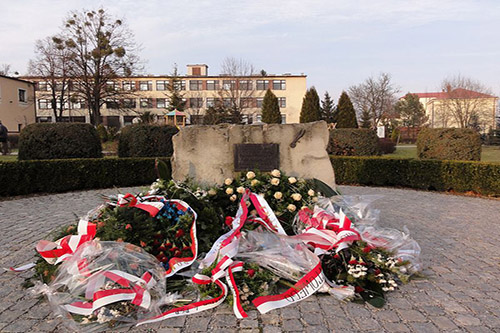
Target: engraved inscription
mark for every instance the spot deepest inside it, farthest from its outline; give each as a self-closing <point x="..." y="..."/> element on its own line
<point x="253" y="156"/>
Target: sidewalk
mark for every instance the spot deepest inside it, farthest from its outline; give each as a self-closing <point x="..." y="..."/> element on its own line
<point x="459" y="237"/>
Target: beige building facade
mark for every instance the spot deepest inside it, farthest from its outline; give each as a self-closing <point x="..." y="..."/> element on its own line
<point x="17" y="103"/>
<point x="199" y="90"/>
<point x="454" y="108"/>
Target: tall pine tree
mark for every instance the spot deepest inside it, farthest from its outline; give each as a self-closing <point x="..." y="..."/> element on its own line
<point x="366" y="119"/>
<point x="327" y="108"/>
<point x="346" y="116"/>
<point x="271" y="109"/>
<point x="311" y="111"/>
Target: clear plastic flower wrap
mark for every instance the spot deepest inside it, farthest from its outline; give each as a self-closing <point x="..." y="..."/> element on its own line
<point x="106" y="285"/>
<point x="285" y="256"/>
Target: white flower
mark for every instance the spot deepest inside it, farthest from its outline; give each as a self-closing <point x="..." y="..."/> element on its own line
<point x="296" y="197"/>
<point x="240" y="190"/>
<point x="275" y="181"/>
<point x="233" y="197"/>
<point x="254" y="182"/>
<point x="292" y="180"/>
<point x="276" y="173"/>
<point x="310" y="193"/>
<point x="250" y="175"/>
<point x="382" y="281"/>
<point x="229" y="191"/>
<point x="385" y="288"/>
<point x="291" y="208"/>
<point x="315" y="199"/>
<point x="278" y="195"/>
<point x="228" y="181"/>
<point x="212" y="192"/>
<point x="391" y="288"/>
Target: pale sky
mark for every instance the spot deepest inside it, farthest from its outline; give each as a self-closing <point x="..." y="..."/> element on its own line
<point x="335" y="43"/>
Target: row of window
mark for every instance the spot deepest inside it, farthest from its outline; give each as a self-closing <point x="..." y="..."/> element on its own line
<point x="162" y="85"/>
<point x="162" y="103"/>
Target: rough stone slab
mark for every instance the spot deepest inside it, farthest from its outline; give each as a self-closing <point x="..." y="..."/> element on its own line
<point x="206" y="153"/>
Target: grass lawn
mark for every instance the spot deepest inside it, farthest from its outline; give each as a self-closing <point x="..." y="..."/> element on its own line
<point x="488" y="153"/>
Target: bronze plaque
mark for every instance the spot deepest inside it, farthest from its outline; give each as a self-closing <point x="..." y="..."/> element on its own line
<point x="256" y="156"/>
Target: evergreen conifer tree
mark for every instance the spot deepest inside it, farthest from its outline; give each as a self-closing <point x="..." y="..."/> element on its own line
<point x="311" y="111"/>
<point x="346" y="116"/>
<point x="270" y="109"/>
<point x="327" y="108"/>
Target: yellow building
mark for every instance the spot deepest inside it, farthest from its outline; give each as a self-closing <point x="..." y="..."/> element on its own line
<point x="198" y="89"/>
<point x="456" y="107"/>
<point x="17" y="103"/>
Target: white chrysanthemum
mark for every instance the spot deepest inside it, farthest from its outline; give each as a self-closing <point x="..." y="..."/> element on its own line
<point x="240" y="190"/>
<point x="229" y="191"/>
<point x="278" y="195"/>
<point x="275" y="181"/>
<point x="291" y="208"/>
<point x="250" y="175"/>
<point x="276" y="173"/>
<point x="310" y="193"/>
<point x="292" y="180"/>
<point x="296" y="196"/>
<point x="233" y="197"/>
<point x="212" y="192"/>
<point x="254" y="182"/>
<point x="228" y="181"/>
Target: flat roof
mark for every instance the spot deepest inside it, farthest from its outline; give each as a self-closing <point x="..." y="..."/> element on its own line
<point x="15" y="78"/>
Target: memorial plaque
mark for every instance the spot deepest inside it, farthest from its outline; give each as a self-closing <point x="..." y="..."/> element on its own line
<point x="251" y="156"/>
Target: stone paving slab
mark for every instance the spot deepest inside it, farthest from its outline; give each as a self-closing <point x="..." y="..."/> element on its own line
<point x="459" y="237"/>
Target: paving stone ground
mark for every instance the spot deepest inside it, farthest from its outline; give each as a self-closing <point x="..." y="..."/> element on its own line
<point x="459" y="237"/>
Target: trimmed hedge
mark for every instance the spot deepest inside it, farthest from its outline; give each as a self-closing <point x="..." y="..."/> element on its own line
<point x="459" y="176"/>
<point x="59" y="140"/>
<point x="353" y="142"/>
<point x="53" y="176"/>
<point x="146" y="140"/>
<point x="449" y="144"/>
<point x="386" y="146"/>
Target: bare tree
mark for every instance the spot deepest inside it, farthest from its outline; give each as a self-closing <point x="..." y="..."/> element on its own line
<point x="375" y="96"/>
<point x="468" y="102"/>
<point x="4" y="69"/>
<point x="102" y="49"/>
<point x="51" y="65"/>
<point x="238" y="88"/>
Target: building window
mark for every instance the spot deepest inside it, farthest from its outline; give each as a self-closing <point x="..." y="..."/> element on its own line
<point x="44" y="104"/>
<point x="79" y="104"/>
<point x="259" y="101"/>
<point x="262" y="84"/>
<point x="128" y="85"/>
<point x="246" y="102"/>
<point x="65" y="105"/>
<point x="161" y="85"/>
<point x="180" y="85"/>
<point x="22" y="95"/>
<point x="213" y="85"/>
<point x="195" y="85"/>
<point x="279" y="85"/>
<point x="146" y="103"/>
<point x="111" y="86"/>
<point x="129" y="103"/>
<point x="196" y="102"/>
<point x="227" y="102"/>
<point x="229" y="84"/>
<point x="282" y="102"/>
<point x="161" y="103"/>
<point x="283" y="118"/>
<point x="259" y="118"/>
<point x="246" y="85"/>
<point x="145" y="85"/>
<point x="112" y="104"/>
<point x="43" y="86"/>
<point x="210" y="102"/>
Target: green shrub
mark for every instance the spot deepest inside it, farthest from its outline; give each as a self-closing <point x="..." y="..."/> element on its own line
<point x="144" y="140"/>
<point x="449" y="144"/>
<point x="13" y="140"/>
<point x="459" y="176"/>
<point x="386" y="146"/>
<point x="25" y="177"/>
<point x="60" y="140"/>
<point x="102" y="132"/>
<point x="353" y="142"/>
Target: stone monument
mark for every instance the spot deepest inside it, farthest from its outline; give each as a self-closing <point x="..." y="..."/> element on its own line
<point x="210" y="154"/>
